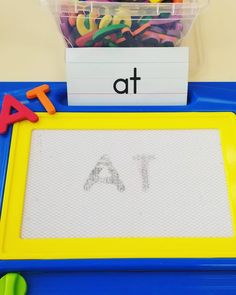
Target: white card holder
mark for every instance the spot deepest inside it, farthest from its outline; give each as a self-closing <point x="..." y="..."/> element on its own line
<point x="127" y="76"/>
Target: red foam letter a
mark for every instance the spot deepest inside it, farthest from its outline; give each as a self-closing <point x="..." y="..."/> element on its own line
<point x="7" y="118"/>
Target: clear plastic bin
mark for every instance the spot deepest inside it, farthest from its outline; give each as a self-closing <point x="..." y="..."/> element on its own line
<point x="124" y="24"/>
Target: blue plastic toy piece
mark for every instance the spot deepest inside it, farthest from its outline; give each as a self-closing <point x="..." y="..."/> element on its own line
<point x="124" y="276"/>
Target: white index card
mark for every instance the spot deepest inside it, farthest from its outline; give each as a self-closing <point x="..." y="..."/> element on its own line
<point x="127" y="76"/>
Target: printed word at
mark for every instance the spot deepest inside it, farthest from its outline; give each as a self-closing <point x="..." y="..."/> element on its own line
<point x="124" y="84"/>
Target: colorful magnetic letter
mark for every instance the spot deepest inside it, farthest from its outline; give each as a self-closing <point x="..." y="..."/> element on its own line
<point x="39" y="92"/>
<point x="7" y="118"/>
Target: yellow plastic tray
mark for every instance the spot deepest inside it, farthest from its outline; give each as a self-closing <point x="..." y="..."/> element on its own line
<point x="12" y="246"/>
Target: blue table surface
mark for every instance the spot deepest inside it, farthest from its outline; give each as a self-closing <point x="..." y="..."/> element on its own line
<point x="127" y="276"/>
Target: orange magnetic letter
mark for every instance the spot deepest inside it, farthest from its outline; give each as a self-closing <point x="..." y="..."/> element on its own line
<point x="7" y="118"/>
<point x="39" y="92"/>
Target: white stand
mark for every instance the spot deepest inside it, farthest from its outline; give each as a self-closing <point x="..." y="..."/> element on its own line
<point x="127" y="76"/>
